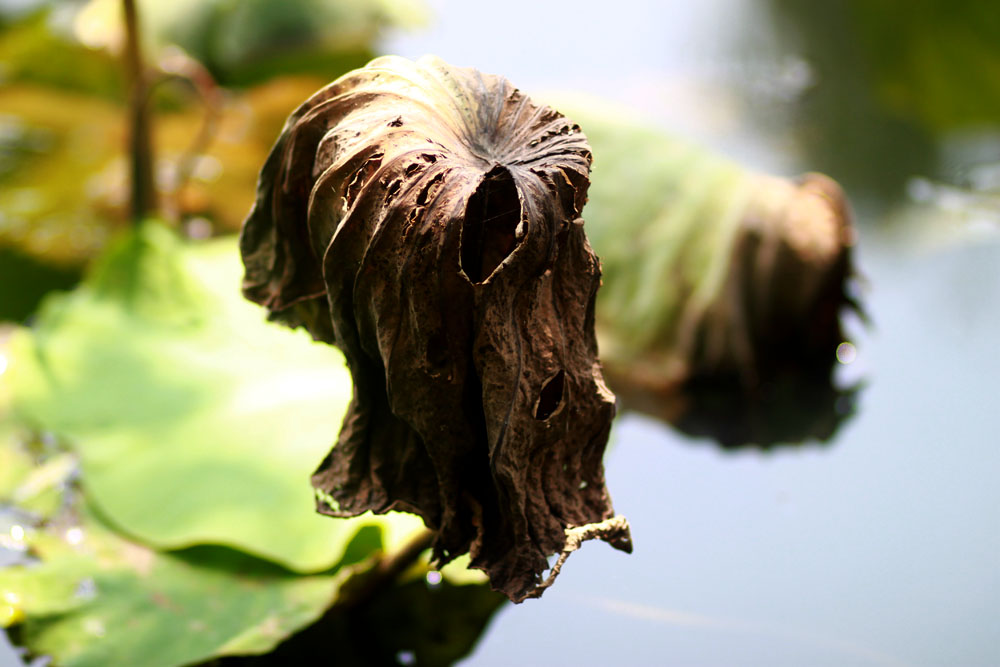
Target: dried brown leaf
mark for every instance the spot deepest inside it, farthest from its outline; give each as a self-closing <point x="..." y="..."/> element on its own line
<point x="425" y="219"/>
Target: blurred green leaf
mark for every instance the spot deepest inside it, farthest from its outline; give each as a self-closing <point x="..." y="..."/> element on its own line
<point x="97" y="599"/>
<point x="42" y="489"/>
<point x="15" y="463"/>
<point x="195" y="421"/>
<point x="934" y="62"/>
<point x="37" y="49"/>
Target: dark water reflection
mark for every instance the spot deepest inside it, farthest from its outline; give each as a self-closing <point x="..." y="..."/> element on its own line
<point x="792" y="410"/>
<point x="881" y="547"/>
<point x="838" y="122"/>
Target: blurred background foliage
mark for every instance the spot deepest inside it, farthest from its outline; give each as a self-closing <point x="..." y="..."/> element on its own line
<point x="894" y="89"/>
<point x="131" y="394"/>
<point x="902" y="93"/>
<point x="62" y="136"/>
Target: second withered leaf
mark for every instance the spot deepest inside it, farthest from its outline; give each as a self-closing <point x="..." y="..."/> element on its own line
<point x="425" y="219"/>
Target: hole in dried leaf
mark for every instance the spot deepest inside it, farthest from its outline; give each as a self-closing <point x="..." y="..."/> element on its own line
<point x="551" y="396"/>
<point x="392" y="189"/>
<point x="425" y="194"/>
<point x="489" y="232"/>
<point x="361" y="177"/>
<point x="414" y="217"/>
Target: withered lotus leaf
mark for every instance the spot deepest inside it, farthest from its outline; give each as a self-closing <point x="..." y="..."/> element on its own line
<point x="426" y="220"/>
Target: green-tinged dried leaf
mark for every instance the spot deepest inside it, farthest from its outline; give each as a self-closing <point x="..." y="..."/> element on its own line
<point x="195" y="422"/>
<point x="98" y="599"/>
<point x="723" y="286"/>
<point x="425" y="219"/>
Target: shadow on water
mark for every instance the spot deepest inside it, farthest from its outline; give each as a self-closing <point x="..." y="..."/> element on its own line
<point x="420" y="622"/>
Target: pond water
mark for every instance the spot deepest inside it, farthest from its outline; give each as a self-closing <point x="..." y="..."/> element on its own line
<point x="880" y="547"/>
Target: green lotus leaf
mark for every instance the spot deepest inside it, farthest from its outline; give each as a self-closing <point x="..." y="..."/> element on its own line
<point x="99" y="599"/>
<point x="195" y="421"/>
<point x="15" y="463"/>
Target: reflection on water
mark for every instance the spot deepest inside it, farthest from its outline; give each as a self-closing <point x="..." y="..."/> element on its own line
<point x="788" y="410"/>
<point x="880" y="549"/>
<point x="898" y="89"/>
<point x="417" y="622"/>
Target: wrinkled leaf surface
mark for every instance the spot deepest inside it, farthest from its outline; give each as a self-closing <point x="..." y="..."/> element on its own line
<point x="426" y="220"/>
